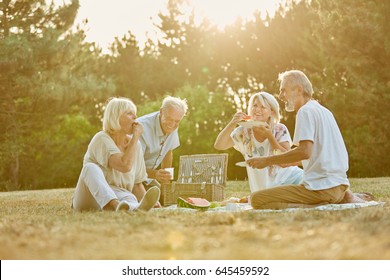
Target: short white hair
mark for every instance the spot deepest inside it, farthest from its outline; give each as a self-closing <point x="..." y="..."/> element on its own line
<point x="297" y="78"/>
<point x="265" y="98"/>
<point x="175" y="102"/>
<point x="115" y="107"/>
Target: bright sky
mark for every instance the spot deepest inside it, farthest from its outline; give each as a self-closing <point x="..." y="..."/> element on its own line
<point x="114" y="18"/>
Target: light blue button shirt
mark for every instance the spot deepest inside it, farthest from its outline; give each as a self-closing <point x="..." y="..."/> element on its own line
<point x="154" y="143"/>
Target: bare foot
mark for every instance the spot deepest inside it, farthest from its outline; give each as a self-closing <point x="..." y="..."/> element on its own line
<point x="350" y="197"/>
<point x="111" y="205"/>
<point x="365" y="196"/>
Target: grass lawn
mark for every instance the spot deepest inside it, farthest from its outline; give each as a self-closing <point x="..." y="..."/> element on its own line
<point x="40" y="225"/>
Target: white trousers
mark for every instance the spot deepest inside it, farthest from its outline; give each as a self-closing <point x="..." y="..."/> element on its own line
<point x="93" y="192"/>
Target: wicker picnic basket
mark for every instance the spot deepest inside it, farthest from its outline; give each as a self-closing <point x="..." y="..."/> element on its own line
<point x="201" y="175"/>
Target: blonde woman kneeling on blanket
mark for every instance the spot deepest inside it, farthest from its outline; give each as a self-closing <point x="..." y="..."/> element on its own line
<point x="260" y="141"/>
<point x="114" y="168"/>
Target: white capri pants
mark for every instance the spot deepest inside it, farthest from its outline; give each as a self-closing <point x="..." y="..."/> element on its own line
<point x="93" y="192"/>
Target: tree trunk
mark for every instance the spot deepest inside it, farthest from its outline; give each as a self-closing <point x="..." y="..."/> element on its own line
<point x="14" y="173"/>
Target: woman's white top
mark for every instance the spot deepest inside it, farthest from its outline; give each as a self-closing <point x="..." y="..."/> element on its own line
<point x="101" y="147"/>
<point x="271" y="176"/>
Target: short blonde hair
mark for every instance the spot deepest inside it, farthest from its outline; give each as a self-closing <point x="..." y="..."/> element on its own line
<point x="266" y="98"/>
<point x="175" y="102"/>
<point x="115" y="107"/>
<point x="297" y="78"/>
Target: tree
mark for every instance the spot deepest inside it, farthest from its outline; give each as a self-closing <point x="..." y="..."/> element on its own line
<point x="125" y="66"/>
<point x="53" y="85"/>
<point x="46" y="71"/>
<point x="353" y="40"/>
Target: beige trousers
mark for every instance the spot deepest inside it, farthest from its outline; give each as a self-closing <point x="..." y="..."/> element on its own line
<point x="282" y="197"/>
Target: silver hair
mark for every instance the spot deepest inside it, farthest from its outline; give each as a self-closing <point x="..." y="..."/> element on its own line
<point x="266" y="98"/>
<point x="175" y="102"/>
<point x="115" y="107"/>
<point x="297" y="78"/>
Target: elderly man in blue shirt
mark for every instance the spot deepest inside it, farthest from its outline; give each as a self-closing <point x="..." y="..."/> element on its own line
<point x="160" y="138"/>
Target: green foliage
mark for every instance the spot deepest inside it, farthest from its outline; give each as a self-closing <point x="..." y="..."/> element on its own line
<point x="45" y="69"/>
<point x="341" y="45"/>
<point x="125" y="65"/>
<point x="148" y="107"/>
<point x="207" y="111"/>
<point x="56" y="154"/>
<point x="355" y="75"/>
<point x="53" y="85"/>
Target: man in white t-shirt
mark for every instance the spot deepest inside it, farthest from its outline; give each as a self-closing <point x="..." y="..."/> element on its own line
<point x="320" y="147"/>
<point x="160" y="138"/>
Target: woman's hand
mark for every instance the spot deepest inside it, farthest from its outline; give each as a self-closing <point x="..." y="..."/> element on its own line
<point x="137" y="129"/>
<point x="263" y="130"/>
<point x="224" y="141"/>
<point x="239" y="116"/>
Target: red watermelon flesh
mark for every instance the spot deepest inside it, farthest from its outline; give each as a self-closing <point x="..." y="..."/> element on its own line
<point x="198" y="201"/>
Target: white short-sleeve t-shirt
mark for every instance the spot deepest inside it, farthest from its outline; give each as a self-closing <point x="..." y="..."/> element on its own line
<point x="101" y="147"/>
<point x="328" y="164"/>
<point x="271" y="176"/>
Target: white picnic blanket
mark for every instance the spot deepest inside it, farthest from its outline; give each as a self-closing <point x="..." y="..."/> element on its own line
<point x="238" y="207"/>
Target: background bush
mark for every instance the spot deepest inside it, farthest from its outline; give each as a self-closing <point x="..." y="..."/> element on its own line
<point x="53" y="85"/>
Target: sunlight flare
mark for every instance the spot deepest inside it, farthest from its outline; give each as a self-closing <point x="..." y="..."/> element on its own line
<point x="226" y="12"/>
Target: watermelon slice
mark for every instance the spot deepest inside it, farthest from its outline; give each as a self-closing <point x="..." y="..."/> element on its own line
<point x="193" y="203"/>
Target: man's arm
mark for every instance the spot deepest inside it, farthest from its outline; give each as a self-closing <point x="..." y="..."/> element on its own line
<point x="162" y="175"/>
<point x="151" y="173"/>
<point x="167" y="160"/>
<point x="302" y="152"/>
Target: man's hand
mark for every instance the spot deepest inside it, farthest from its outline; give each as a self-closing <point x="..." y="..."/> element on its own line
<point x="258" y="163"/>
<point x="163" y="176"/>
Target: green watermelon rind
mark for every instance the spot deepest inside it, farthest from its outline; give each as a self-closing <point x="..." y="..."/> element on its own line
<point x="181" y="202"/>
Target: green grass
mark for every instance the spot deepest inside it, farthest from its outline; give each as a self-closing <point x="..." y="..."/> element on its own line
<point x="40" y="225"/>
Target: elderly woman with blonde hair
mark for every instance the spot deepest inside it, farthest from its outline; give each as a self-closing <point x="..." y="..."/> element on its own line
<point x="266" y="137"/>
<point x="113" y="167"/>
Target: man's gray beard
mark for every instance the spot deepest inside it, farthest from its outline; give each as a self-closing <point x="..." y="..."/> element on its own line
<point x="289" y="106"/>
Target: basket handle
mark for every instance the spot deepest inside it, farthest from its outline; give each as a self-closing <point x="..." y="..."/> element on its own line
<point x="173" y="186"/>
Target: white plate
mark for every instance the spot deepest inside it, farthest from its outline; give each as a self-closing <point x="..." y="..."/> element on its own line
<point x="241" y="164"/>
<point x="250" y="124"/>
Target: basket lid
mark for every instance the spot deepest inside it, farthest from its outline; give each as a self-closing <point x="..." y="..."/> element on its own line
<point x="200" y="168"/>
